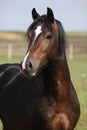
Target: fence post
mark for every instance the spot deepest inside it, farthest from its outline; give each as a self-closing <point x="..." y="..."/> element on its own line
<point x="9" y="51"/>
<point x="71" y="51"/>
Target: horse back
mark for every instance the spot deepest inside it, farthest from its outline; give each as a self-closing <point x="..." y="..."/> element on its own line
<point x="7" y="73"/>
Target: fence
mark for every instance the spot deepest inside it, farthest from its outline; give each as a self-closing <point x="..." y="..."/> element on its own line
<point x="76" y="45"/>
<point x="11" y="49"/>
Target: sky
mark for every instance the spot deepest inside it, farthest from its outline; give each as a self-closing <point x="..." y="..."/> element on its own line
<point x="16" y="14"/>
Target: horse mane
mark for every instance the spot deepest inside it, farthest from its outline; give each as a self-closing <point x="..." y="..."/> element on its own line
<point x="62" y="37"/>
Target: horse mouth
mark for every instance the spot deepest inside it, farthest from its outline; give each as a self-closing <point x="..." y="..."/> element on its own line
<point x="30" y="73"/>
<point x="35" y="71"/>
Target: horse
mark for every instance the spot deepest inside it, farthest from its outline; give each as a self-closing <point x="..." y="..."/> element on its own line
<point x="38" y="93"/>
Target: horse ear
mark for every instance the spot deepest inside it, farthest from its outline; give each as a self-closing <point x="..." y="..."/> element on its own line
<point x="50" y="15"/>
<point x="35" y="15"/>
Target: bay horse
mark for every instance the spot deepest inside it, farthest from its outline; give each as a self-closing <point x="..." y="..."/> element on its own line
<point x="38" y="94"/>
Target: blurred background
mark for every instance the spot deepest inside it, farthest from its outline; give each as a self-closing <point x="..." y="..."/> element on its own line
<point x="15" y="18"/>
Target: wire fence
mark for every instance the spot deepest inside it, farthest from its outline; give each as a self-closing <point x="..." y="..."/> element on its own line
<point x="76" y="46"/>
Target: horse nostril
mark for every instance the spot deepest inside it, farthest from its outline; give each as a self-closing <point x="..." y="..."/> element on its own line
<point x="29" y="66"/>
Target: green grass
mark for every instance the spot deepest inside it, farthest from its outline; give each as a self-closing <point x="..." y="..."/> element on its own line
<point x="78" y="70"/>
<point x="82" y="33"/>
<point x="15" y="59"/>
<point x="15" y="32"/>
<point x="0" y="126"/>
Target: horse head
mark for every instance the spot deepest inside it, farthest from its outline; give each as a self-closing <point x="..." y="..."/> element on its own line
<point x="43" y="38"/>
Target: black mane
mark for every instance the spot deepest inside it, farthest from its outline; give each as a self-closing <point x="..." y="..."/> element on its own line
<point x="62" y="37"/>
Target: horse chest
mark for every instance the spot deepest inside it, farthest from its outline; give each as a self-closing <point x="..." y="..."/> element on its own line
<point x="49" y="116"/>
<point x="53" y="120"/>
<point x="45" y="111"/>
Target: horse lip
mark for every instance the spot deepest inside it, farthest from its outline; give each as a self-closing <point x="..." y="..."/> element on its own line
<point x="30" y="73"/>
<point x="33" y="74"/>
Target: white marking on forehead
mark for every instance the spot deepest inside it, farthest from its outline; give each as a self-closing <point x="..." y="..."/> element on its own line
<point x="37" y="31"/>
<point x="24" y="61"/>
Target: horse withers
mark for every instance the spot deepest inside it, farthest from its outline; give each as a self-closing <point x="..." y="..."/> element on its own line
<point x="41" y="96"/>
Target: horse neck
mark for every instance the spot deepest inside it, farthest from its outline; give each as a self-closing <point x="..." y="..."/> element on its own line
<point x="58" y="76"/>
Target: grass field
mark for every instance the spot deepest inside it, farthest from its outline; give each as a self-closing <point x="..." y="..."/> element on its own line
<point x="11" y="36"/>
<point x="78" y="70"/>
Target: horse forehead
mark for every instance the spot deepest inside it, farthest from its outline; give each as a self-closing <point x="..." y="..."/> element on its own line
<point x="38" y="30"/>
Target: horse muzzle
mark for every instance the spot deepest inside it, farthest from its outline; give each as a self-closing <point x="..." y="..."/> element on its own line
<point x="31" y="67"/>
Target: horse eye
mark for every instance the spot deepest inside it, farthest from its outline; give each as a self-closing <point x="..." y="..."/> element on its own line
<point x="48" y="37"/>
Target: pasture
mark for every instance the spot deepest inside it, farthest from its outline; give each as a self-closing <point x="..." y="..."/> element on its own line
<point x="78" y="70"/>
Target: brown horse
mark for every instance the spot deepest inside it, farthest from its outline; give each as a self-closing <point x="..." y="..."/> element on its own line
<point x="42" y="96"/>
<point x="58" y="106"/>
